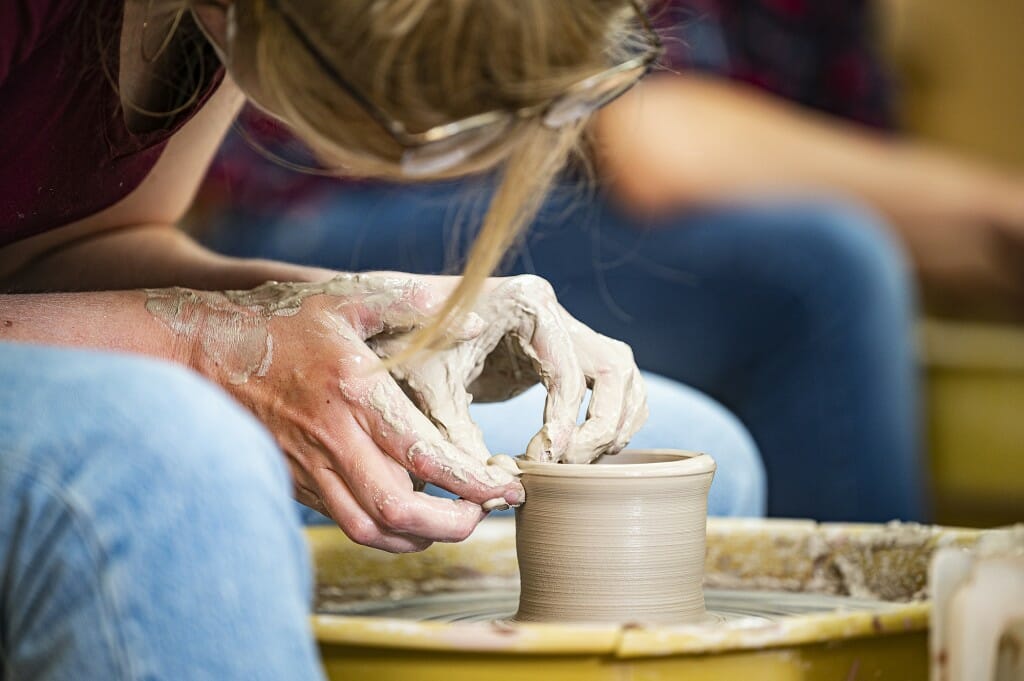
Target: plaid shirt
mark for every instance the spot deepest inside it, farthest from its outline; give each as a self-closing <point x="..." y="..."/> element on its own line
<point x="819" y="53"/>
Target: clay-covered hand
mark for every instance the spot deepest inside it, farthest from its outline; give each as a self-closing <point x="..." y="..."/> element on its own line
<point x="295" y="354"/>
<point x="517" y="335"/>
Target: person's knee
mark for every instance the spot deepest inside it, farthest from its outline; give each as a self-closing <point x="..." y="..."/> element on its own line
<point x="851" y="255"/>
<point x="166" y="498"/>
<point x="145" y="454"/>
<point x="682" y="417"/>
<point x="214" y="433"/>
<point x="128" y="425"/>
<point x="194" y="439"/>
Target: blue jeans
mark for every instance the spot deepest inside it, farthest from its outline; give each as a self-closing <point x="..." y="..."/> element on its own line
<point x="797" y="317"/>
<point x="146" y="526"/>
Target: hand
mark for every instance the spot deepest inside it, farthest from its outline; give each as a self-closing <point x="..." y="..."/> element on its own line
<point x="295" y="355"/>
<point x="1008" y="226"/>
<point x="518" y="335"/>
<point x="971" y="265"/>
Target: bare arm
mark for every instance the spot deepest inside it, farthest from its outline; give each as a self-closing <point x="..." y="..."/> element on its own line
<point x="148" y="256"/>
<point x="80" y="274"/>
<point x="679" y="141"/>
<point x="134" y="244"/>
<point x="100" y="321"/>
<point x="326" y="426"/>
<point x="690" y="140"/>
<point x="297" y="354"/>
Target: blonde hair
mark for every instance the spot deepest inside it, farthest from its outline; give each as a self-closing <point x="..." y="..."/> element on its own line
<point x="426" y="63"/>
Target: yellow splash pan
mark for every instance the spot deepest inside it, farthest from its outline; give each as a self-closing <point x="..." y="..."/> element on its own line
<point x="884" y="566"/>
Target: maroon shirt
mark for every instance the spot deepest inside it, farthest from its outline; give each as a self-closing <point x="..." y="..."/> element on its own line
<point x="65" y="150"/>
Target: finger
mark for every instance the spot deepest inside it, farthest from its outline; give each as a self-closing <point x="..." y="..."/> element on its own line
<point x="618" y="400"/>
<point x="402" y="318"/>
<point x="547" y="341"/>
<point x="312" y="500"/>
<point x="450" y="411"/>
<point x="442" y="396"/>
<point x="399" y="304"/>
<point x="354" y="521"/>
<point x="405" y="434"/>
<point x="605" y="414"/>
<point x="384" y="491"/>
<point x="636" y="412"/>
<point x="378" y="302"/>
<point x="305" y="488"/>
<point x="314" y="483"/>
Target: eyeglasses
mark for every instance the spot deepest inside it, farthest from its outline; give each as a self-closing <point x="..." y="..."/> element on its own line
<point x="443" y="147"/>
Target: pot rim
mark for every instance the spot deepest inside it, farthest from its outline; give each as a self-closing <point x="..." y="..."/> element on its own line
<point x="673" y="463"/>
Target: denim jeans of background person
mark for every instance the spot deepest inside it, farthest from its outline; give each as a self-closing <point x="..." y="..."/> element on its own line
<point x="797" y="317"/>
<point x="147" y="530"/>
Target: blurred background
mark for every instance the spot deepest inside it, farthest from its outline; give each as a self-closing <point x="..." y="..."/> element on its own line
<point x="814" y="213"/>
<point x="958" y="67"/>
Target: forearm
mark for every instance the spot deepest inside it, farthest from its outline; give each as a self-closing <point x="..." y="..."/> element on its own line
<point x="116" y="321"/>
<point x="146" y="257"/>
<point x="81" y="294"/>
<point x="690" y="140"/>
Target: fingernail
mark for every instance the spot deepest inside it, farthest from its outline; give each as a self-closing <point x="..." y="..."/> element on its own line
<point x="497" y="504"/>
<point x="515" y="496"/>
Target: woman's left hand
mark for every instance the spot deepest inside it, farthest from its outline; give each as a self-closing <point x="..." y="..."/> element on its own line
<point x="517" y="335"/>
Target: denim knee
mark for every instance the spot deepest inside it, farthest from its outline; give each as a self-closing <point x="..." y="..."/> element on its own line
<point x="147" y="523"/>
<point x="208" y="439"/>
<point x="850" y="257"/>
<point x="132" y="426"/>
<point x="684" y="417"/>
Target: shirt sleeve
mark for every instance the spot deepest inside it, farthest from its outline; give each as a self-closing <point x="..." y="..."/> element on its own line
<point x="25" y="25"/>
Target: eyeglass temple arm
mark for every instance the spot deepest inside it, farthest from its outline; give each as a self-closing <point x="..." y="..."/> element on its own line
<point x="395" y="128"/>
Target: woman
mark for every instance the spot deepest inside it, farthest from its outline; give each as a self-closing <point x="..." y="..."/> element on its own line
<point x="686" y="277"/>
<point x="145" y="528"/>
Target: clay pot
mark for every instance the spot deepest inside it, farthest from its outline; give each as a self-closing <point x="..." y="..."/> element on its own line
<point x="618" y="540"/>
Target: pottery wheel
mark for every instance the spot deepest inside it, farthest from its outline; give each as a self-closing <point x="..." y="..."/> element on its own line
<point x="500" y="604"/>
<point x="773" y="590"/>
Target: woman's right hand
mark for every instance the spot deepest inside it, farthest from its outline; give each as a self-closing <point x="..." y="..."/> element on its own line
<point x="296" y="357"/>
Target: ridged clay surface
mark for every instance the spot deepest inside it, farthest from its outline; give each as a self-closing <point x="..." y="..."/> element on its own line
<point x="619" y="540"/>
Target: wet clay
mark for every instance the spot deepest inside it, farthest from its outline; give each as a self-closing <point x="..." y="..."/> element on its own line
<point x="234" y="333"/>
<point x="516" y="335"/>
<point x="619" y="540"/>
<point x="520" y="335"/>
<point x="232" y="326"/>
